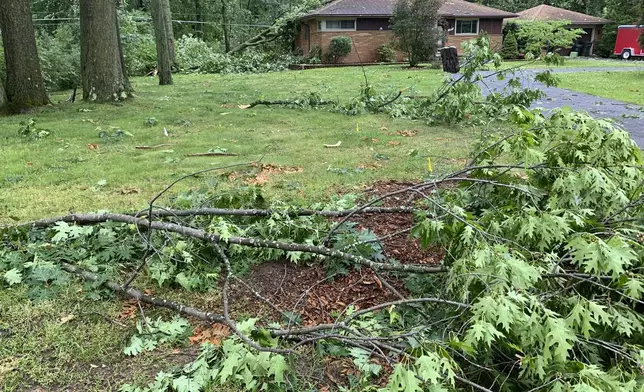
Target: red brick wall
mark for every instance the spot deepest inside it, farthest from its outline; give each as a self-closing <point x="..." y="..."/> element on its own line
<point x="366" y="42"/>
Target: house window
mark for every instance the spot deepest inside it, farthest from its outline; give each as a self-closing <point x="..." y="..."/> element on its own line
<point x="337" y="25"/>
<point x="467" y="26"/>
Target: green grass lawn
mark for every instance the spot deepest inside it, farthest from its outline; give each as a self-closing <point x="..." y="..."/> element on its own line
<point x="579" y="63"/>
<point x="622" y="86"/>
<point x="61" y="173"/>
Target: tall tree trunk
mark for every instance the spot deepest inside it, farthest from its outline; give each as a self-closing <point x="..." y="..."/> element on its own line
<point x="225" y="25"/>
<point x="25" y="85"/>
<point x="199" y="16"/>
<point x="102" y="67"/>
<point x="162" y="18"/>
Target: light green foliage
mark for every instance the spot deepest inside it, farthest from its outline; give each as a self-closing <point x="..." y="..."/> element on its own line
<point x="386" y="53"/>
<point x="231" y="364"/>
<point x="29" y="130"/>
<point x="153" y="333"/>
<point x="550" y="36"/>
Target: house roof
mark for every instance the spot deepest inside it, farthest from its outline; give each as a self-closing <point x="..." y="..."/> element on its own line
<point x="549" y="13"/>
<point x="385" y="8"/>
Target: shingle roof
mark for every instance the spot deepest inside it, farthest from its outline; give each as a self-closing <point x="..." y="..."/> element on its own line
<point x="385" y="8"/>
<point x="549" y="13"/>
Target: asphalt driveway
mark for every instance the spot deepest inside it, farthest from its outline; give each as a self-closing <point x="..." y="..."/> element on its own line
<point x="628" y="115"/>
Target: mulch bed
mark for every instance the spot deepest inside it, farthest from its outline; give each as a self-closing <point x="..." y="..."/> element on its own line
<point x="308" y="291"/>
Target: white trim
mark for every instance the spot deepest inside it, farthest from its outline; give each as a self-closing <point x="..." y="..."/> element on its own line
<point x="478" y="26"/>
<point x="323" y="29"/>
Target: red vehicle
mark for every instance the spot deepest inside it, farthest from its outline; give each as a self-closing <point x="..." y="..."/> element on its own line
<point x="627" y="44"/>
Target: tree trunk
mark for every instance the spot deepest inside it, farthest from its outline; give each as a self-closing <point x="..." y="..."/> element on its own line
<point x="225" y="25"/>
<point x="164" y="35"/>
<point x="25" y="85"/>
<point x="199" y="17"/>
<point x="449" y="57"/>
<point x="102" y="67"/>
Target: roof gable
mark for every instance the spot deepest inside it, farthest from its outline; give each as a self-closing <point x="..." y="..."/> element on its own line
<point x="549" y="13"/>
<point x="385" y="8"/>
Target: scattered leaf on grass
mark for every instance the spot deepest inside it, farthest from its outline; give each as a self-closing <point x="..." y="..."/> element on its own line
<point x="394" y="143"/>
<point x="380" y="157"/>
<point x="407" y="132"/>
<point x="66" y="319"/>
<point x="243" y="106"/>
<point x="267" y="170"/>
<point x="93" y="146"/>
<point x="130" y="191"/>
<point x="227" y="106"/>
<point x="213" y="335"/>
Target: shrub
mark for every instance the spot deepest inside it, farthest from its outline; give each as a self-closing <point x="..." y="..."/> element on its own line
<point x="415" y="26"/>
<point x="139" y="48"/>
<point x="386" y="53"/>
<point x="193" y="53"/>
<point x="60" y="58"/>
<point x="510" y="48"/>
<point x="315" y="55"/>
<point x="605" y="46"/>
<point x="340" y="46"/>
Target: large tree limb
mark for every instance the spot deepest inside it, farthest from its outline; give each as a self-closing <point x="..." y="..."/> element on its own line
<point x="88" y="219"/>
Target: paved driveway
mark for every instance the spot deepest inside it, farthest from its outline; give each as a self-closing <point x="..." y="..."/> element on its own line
<point x="629" y="116"/>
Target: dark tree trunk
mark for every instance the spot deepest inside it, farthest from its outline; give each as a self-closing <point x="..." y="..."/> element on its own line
<point x="102" y="67"/>
<point x="25" y="85"/>
<point x="449" y="57"/>
<point x="162" y="18"/>
<point x="198" y="16"/>
<point x="225" y="25"/>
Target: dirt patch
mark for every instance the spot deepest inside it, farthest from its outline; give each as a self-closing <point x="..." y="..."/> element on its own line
<point x="309" y="292"/>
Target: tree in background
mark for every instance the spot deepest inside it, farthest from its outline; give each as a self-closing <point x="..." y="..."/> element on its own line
<point x="510" y="48"/>
<point x="102" y="66"/>
<point x="414" y="25"/>
<point x="25" y="87"/>
<point x="162" y="18"/>
<point x="547" y="35"/>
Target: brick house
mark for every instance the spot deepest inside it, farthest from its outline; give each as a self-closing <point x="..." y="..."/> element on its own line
<point x="368" y="23"/>
<point x="591" y="25"/>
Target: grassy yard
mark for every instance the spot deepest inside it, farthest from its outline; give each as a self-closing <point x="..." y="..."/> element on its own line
<point x="75" y="344"/>
<point x="579" y="63"/>
<point x="622" y="86"/>
<point x="65" y="171"/>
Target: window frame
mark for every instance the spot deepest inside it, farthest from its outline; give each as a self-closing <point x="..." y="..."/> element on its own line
<point x="322" y="24"/>
<point x="478" y="25"/>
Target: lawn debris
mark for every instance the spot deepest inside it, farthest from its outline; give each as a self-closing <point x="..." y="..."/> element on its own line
<point x="210" y="334"/>
<point x="93" y="146"/>
<point x="407" y="132"/>
<point x="152" y="147"/>
<point x="266" y="170"/>
<point x="338" y="144"/>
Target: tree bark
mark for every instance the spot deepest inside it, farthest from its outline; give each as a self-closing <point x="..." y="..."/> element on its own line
<point x="199" y="16"/>
<point x="225" y="25"/>
<point x="162" y="18"/>
<point x="449" y="57"/>
<point x="103" y="72"/>
<point x="25" y="87"/>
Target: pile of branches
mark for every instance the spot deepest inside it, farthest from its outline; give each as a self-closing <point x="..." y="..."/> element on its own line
<point x="539" y="289"/>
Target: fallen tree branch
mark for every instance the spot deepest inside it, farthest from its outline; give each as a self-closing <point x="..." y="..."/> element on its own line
<point x="152" y="147"/>
<point x="85" y="219"/>
<point x="258" y="212"/>
<point x="284" y="103"/>
<point x="148" y="299"/>
<point x="213" y="154"/>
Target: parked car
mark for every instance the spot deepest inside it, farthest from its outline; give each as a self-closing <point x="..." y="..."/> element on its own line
<point x="627" y="44"/>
